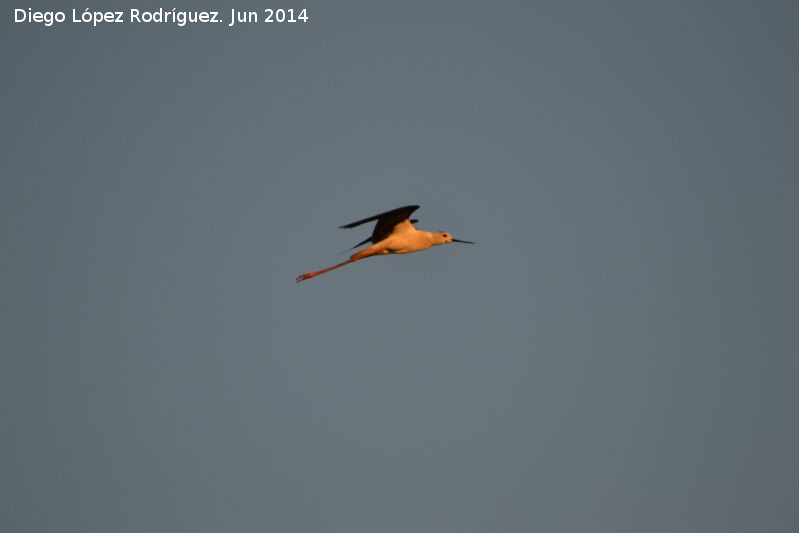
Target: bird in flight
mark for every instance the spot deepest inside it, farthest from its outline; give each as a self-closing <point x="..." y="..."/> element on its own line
<point x="393" y="234"/>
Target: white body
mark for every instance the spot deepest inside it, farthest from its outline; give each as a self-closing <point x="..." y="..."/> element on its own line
<point x="405" y="239"/>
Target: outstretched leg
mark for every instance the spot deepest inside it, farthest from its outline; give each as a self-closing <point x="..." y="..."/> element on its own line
<point x="363" y="254"/>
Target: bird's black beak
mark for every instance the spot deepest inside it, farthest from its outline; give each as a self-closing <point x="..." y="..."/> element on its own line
<point x="466" y="242"/>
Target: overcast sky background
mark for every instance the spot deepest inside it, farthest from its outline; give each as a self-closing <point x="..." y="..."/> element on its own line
<point x="617" y="353"/>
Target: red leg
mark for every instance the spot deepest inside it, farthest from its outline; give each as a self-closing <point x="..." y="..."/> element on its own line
<point x="363" y="254"/>
<point x="309" y="275"/>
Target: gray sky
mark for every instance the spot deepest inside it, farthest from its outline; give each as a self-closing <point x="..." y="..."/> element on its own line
<point x="617" y="353"/>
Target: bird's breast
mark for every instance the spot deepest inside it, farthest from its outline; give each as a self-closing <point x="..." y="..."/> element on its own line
<point x="406" y="243"/>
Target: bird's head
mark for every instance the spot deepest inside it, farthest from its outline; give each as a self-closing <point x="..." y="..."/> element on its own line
<point x="442" y="237"/>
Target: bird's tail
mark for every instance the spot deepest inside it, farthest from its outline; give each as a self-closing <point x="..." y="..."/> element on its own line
<point x="359" y="244"/>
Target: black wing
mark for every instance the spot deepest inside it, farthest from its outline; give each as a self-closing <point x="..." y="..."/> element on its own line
<point x="385" y="222"/>
<point x="397" y="215"/>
